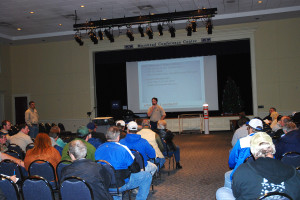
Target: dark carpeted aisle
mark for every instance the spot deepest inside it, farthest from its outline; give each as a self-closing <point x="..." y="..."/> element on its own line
<point x="204" y="160"/>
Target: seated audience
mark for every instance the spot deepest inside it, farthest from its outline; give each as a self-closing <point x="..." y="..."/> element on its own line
<point x="290" y="141"/>
<point x="22" y="139"/>
<point x="254" y="179"/>
<point x="84" y="135"/>
<point x="154" y="140"/>
<point x="96" y="142"/>
<point x="93" y="173"/>
<point x="169" y="146"/>
<point x="241" y="150"/>
<point x="241" y="132"/>
<point x="274" y="117"/>
<point x="272" y="109"/>
<point x="42" y="150"/>
<point x="121" y="125"/>
<point x="128" y="174"/>
<point x="6" y="128"/>
<point x="276" y="126"/>
<point x="56" y="142"/>
<point x="135" y="141"/>
<point x="282" y="122"/>
<point x="4" y="156"/>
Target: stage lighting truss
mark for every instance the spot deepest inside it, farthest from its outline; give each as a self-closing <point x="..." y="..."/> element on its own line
<point x="93" y="36"/>
<point x="100" y="34"/>
<point x="141" y="30"/>
<point x="160" y="29"/>
<point x="149" y="32"/>
<point x="129" y="34"/>
<point x="172" y="30"/>
<point x="109" y="34"/>
<point x="78" y="38"/>
<point x="194" y="17"/>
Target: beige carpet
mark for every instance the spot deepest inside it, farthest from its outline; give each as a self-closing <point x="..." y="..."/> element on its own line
<point x="204" y="160"/>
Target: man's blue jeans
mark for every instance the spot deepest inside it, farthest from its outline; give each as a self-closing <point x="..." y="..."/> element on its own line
<point x="142" y="180"/>
<point x="33" y="131"/>
<point x="160" y="161"/>
<point x="176" y="154"/>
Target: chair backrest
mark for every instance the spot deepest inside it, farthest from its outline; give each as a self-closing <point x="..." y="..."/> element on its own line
<point x="249" y="159"/>
<point x="47" y="127"/>
<point x="18" y="149"/>
<point x="10" y="168"/>
<point x="291" y="158"/>
<point x="111" y="170"/>
<point x="13" y="153"/>
<point x="29" y="146"/>
<point x="75" y="188"/>
<point x="139" y="158"/>
<point x="44" y="169"/>
<point x="60" y="166"/>
<point x="37" y="188"/>
<point x="9" y="188"/>
<point x="275" y="195"/>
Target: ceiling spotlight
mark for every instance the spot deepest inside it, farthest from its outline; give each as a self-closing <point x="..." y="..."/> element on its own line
<point x="109" y="35"/>
<point x="100" y="33"/>
<point x="78" y="39"/>
<point x="160" y="29"/>
<point x="149" y="32"/>
<point x="93" y="37"/>
<point x="141" y="30"/>
<point x="172" y="31"/>
<point x="189" y="30"/>
<point x="209" y="26"/>
<point x="130" y="35"/>
<point x="194" y="26"/>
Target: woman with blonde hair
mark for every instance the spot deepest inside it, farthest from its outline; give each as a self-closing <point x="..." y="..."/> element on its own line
<point x="42" y="150"/>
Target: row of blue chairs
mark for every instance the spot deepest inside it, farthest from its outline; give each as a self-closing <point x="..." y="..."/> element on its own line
<point x="37" y="187"/>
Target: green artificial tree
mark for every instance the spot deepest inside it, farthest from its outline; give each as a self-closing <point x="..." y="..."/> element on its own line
<point x="232" y="102"/>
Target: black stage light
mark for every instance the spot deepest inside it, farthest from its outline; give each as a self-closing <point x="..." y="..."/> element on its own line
<point x="189" y="30"/>
<point x="149" y="32"/>
<point x="130" y="35"/>
<point x="209" y="27"/>
<point x="78" y="40"/>
<point x="160" y="29"/>
<point x="141" y="30"/>
<point x="194" y="26"/>
<point x="100" y="33"/>
<point x="109" y="35"/>
<point x="172" y="31"/>
<point x="93" y="37"/>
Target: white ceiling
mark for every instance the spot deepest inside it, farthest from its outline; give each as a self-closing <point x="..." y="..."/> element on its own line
<point x="44" y="23"/>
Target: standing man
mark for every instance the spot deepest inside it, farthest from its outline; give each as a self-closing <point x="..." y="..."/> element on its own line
<point x="32" y="119"/>
<point x="155" y="112"/>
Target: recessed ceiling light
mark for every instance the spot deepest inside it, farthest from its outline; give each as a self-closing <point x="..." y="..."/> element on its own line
<point x="259" y="1"/>
<point x="19" y="29"/>
<point x="152" y="14"/>
<point x="104" y="19"/>
<point x="82" y="6"/>
<point x="59" y="24"/>
<point x="31" y="12"/>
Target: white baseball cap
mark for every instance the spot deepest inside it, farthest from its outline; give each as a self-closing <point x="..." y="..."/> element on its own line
<point x="120" y="122"/>
<point x="256" y="123"/>
<point x="132" y="126"/>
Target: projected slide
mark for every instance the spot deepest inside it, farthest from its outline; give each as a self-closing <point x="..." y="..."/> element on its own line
<point x="178" y="83"/>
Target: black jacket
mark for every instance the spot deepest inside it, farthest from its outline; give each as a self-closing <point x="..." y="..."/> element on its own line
<point x="93" y="173"/>
<point x="253" y="179"/>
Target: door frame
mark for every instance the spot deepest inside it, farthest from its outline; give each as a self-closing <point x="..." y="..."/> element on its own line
<point x="13" y="105"/>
